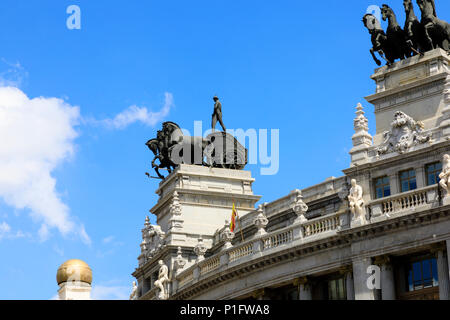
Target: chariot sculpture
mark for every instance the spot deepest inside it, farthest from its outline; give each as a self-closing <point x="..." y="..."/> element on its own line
<point x="172" y="148"/>
<point x="417" y="37"/>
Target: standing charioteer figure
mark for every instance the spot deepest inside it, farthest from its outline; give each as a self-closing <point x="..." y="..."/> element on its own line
<point x="217" y="114"/>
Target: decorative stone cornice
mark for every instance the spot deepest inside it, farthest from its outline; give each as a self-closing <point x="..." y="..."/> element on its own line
<point x="344" y="238"/>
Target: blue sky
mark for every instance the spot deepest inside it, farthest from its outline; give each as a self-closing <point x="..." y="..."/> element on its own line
<point x="288" y="65"/>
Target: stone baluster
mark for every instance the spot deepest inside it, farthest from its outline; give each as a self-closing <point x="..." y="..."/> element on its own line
<point x="387" y="278"/>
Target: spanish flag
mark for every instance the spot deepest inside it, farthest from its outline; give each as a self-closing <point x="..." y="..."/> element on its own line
<point x="233" y="219"/>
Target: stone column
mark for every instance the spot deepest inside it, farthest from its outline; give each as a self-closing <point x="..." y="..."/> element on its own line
<point x="387" y="278"/>
<point x="448" y="255"/>
<point x="305" y="292"/>
<point x="349" y="284"/>
<point x="442" y="265"/>
<point x="360" y="277"/>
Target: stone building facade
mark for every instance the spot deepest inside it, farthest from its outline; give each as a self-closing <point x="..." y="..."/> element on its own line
<point x="381" y="231"/>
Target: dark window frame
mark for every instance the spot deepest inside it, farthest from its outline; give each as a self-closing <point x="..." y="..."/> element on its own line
<point x="426" y="264"/>
<point x="411" y="180"/>
<point x="386" y="192"/>
<point x="435" y="172"/>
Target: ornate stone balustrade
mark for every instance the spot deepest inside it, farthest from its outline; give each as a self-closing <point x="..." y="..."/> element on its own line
<point x="185" y="278"/>
<point x="321" y="225"/>
<point x="403" y="202"/>
<point x="240" y="252"/>
<point x="278" y="239"/>
<point x="210" y="265"/>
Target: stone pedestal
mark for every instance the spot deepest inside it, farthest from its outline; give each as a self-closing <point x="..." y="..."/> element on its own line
<point x="203" y="201"/>
<point x="74" y="291"/>
<point x="415" y="86"/>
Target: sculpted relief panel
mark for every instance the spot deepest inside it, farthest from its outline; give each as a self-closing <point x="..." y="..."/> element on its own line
<point x="405" y="133"/>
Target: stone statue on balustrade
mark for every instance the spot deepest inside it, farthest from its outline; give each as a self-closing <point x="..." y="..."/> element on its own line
<point x="163" y="281"/>
<point x="445" y="175"/>
<point x="133" y="295"/>
<point x="356" y="203"/>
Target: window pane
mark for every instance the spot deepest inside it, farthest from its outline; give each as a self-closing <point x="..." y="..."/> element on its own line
<point x="434" y="272"/>
<point x="387" y="191"/>
<point x="410" y="281"/>
<point x="379" y="193"/>
<point x="417" y="270"/>
<point x="413" y="185"/>
<point x="427" y="279"/>
<point x="405" y="186"/>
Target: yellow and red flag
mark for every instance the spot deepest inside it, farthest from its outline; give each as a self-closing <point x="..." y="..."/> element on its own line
<point x="233" y="219"/>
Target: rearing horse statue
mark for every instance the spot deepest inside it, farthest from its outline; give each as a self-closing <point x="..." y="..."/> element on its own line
<point x="396" y="36"/>
<point x="378" y="38"/>
<point x="414" y="30"/>
<point x="437" y="31"/>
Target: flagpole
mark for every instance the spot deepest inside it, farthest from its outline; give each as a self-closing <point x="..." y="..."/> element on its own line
<point x="239" y="220"/>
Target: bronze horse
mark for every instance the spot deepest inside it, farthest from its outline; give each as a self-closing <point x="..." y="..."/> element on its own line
<point x="437" y="31"/>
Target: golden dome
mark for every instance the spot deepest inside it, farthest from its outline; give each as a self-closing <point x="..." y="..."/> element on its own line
<point x="74" y="270"/>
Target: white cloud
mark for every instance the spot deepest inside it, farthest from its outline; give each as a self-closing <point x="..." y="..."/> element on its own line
<point x="110" y="292"/>
<point x="14" y="75"/>
<point x="4" y="229"/>
<point x="6" y="232"/>
<point x="36" y="136"/>
<point x="138" y="114"/>
<point x="108" y="239"/>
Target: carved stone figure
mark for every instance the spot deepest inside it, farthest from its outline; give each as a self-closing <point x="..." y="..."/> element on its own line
<point x="396" y="37"/>
<point x="405" y="132"/>
<point x="356" y="202"/>
<point x="437" y="31"/>
<point x="163" y="280"/>
<point x="217" y="114"/>
<point x="133" y="295"/>
<point x="153" y="239"/>
<point x="445" y="175"/>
